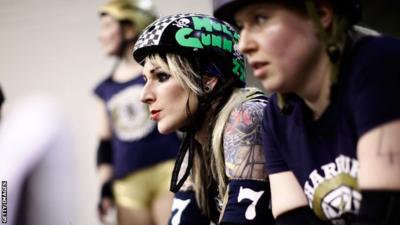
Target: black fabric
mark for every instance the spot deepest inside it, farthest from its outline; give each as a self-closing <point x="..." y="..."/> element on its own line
<point x="2" y="98"/>
<point x="185" y="210"/>
<point x="104" y="152"/>
<point x="379" y="207"/>
<point x="106" y="190"/>
<point x="299" y="216"/>
<point x="248" y="203"/>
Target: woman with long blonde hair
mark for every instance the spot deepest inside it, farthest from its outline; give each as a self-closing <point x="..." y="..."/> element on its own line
<point x="195" y="80"/>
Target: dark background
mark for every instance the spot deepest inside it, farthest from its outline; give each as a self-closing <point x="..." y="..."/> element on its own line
<point x="383" y="16"/>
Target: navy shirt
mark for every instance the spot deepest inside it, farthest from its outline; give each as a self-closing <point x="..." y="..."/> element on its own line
<point x="322" y="153"/>
<point x="136" y="141"/>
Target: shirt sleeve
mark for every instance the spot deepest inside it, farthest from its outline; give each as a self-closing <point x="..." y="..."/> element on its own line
<point x="275" y="163"/>
<point x="374" y="88"/>
<point x="98" y="91"/>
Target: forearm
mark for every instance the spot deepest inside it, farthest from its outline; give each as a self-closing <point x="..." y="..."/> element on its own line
<point x="104" y="159"/>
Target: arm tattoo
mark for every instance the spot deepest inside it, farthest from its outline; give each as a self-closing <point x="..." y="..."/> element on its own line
<point x="244" y="156"/>
<point x="386" y="150"/>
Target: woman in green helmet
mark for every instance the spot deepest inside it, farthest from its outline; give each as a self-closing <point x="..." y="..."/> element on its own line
<point x="331" y="132"/>
<point x="134" y="160"/>
<point x="195" y="80"/>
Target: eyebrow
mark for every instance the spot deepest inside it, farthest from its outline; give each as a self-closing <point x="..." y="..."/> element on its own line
<point x="154" y="70"/>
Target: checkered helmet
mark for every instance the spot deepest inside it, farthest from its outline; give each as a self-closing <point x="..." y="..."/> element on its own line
<point x="194" y="36"/>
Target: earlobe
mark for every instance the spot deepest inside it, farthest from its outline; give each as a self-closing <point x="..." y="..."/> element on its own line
<point x="209" y="82"/>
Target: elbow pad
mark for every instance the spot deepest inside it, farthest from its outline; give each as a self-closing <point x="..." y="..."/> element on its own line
<point x="185" y="210"/>
<point x="379" y="207"/>
<point x="104" y="152"/>
<point x="248" y="203"/>
<point x="299" y="216"/>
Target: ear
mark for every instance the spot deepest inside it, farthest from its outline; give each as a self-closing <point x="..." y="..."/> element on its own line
<point x="325" y="12"/>
<point x="209" y="82"/>
<point x="129" y="31"/>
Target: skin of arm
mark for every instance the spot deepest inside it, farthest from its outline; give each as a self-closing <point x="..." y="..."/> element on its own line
<point x="286" y="193"/>
<point x="378" y="152"/>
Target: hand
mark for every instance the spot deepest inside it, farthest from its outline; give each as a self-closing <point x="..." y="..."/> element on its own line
<point x="106" y="202"/>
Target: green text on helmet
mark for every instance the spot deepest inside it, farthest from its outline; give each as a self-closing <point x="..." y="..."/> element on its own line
<point x="195" y="35"/>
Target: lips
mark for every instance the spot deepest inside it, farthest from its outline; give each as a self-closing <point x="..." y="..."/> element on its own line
<point x="155" y="115"/>
<point x="259" y="69"/>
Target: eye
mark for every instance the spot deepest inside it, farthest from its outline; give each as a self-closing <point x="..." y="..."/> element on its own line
<point x="161" y="76"/>
<point x="259" y="19"/>
<point x="239" y="26"/>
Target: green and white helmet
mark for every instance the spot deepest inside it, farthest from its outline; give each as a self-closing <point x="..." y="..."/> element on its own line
<point x="195" y="36"/>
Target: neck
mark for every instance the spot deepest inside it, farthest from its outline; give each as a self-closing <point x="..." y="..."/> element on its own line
<point x="316" y="92"/>
<point x="202" y="135"/>
<point x="127" y="68"/>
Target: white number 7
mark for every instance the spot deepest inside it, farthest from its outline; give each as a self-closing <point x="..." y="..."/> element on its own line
<point x="180" y="205"/>
<point x="254" y="196"/>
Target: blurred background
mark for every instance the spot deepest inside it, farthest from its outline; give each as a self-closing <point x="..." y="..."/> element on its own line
<point x="50" y="48"/>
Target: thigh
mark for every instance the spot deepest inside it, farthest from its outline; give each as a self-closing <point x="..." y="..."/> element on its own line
<point x="129" y="216"/>
<point x="162" y="201"/>
<point x="132" y="191"/>
<point x="162" y="208"/>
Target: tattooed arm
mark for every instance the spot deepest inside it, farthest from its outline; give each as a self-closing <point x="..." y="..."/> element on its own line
<point x="244" y="156"/>
<point x="247" y="199"/>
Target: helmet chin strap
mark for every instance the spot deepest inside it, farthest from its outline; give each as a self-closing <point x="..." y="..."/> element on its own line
<point x="189" y="143"/>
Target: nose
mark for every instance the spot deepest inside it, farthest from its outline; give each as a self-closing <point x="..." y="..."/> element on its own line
<point x="247" y="44"/>
<point x="147" y="96"/>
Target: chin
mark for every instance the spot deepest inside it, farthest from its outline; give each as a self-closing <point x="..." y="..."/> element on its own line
<point x="164" y="130"/>
<point x="271" y="87"/>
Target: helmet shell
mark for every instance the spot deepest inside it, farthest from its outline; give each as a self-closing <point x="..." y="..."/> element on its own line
<point x="226" y="9"/>
<point x="139" y="12"/>
<point x="195" y="36"/>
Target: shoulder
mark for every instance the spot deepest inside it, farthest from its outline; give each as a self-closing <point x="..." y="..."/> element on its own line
<point x="251" y="109"/>
<point x="374" y="59"/>
<point x="101" y="85"/>
<point x="371" y="50"/>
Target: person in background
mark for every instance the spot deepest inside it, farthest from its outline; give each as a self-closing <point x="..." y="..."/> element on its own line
<point x="195" y="80"/>
<point x="134" y="160"/>
<point x="2" y="99"/>
<point x="36" y="163"/>
<point x="331" y="133"/>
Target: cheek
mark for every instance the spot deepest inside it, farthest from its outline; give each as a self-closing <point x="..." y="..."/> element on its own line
<point x="289" y="46"/>
<point x="111" y="37"/>
<point x="278" y="42"/>
<point x="175" y="99"/>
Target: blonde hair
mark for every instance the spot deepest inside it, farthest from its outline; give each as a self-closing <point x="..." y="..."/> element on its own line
<point x="180" y="68"/>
